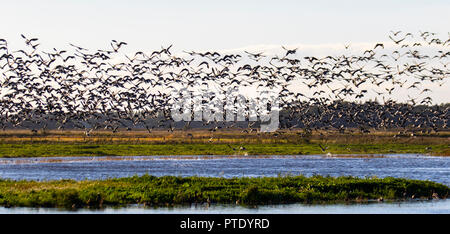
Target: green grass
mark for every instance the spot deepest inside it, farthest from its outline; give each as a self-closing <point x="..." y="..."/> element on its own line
<point x="170" y="190"/>
<point x="120" y="149"/>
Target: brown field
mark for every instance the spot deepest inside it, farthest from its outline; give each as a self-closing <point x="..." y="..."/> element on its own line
<point x="22" y="143"/>
<point x="222" y="136"/>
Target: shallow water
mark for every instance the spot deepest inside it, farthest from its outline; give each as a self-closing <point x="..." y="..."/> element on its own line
<point x="411" y="166"/>
<point x="396" y="165"/>
<point x="410" y="207"/>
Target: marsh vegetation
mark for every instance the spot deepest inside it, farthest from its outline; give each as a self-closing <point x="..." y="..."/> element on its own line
<point x="170" y="190"/>
<point x="74" y="143"/>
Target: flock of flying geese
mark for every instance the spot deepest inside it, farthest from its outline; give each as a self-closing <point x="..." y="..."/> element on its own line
<point x="92" y="90"/>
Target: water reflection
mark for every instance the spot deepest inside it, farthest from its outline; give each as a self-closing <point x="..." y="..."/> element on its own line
<point x="415" y="207"/>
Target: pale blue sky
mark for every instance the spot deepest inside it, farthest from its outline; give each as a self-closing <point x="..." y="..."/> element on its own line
<point x="221" y="25"/>
<point x="208" y="25"/>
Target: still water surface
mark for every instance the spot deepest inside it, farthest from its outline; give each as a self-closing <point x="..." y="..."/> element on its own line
<point x="409" y="207"/>
<point x="411" y="166"/>
<point x="79" y="168"/>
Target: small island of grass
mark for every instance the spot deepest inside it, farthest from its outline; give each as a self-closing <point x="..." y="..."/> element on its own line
<point x="171" y="190"/>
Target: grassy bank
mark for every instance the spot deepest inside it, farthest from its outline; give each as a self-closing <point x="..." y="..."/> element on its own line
<point x="89" y="149"/>
<point x="169" y="190"/>
<point x="20" y="143"/>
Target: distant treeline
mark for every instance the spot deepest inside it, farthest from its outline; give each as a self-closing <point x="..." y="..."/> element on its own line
<point x="338" y="115"/>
